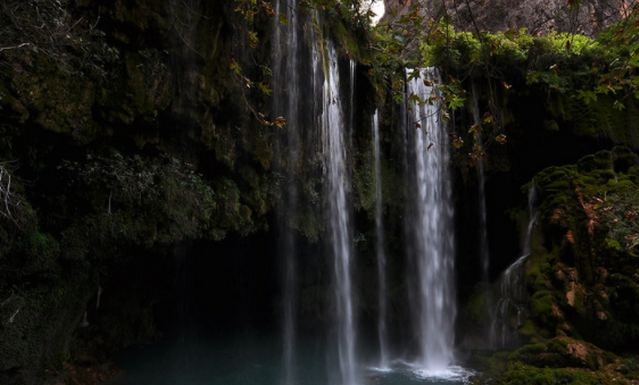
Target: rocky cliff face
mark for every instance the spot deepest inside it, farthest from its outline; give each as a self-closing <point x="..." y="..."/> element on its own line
<point x="586" y="17"/>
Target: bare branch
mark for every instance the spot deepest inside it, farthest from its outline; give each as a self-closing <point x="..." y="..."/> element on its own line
<point x="22" y="45"/>
<point x="11" y="202"/>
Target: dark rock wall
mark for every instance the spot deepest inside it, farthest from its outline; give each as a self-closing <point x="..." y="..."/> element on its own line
<point x="125" y="133"/>
<point x="144" y="175"/>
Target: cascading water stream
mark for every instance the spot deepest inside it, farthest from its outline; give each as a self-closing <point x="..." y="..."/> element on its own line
<point x="286" y="104"/>
<point x="430" y="224"/>
<point x="430" y="212"/>
<point x="512" y="288"/>
<point x="380" y="248"/>
<point x="333" y="131"/>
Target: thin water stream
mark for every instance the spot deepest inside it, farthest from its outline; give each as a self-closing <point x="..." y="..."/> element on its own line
<point x="484" y="251"/>
<point x="382" y="316"/>
<point x="341" y="234"/>
<point x="508" y="314"/>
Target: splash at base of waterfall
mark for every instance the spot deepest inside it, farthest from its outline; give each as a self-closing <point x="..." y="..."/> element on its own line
<point x="450" y="374"/>
<point x="414" y="374"/>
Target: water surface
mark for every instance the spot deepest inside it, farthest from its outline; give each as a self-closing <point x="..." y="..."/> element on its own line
<point x="252" y="360"/>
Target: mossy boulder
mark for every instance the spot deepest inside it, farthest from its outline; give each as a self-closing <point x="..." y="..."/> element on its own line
<point x="583" y="279"/>
<point x="560" y="360"/>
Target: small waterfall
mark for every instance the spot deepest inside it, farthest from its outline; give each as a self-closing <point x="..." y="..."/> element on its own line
<point x="512" y="289"/>
<point x="341" y="235"/>
<point x="484" y="253"/>
<point x="430" y="222"/>
<point x="286" y="104"/>
<point x="380" y="247"/>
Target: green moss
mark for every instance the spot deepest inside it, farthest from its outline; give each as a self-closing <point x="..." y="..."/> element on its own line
<point x="579" y="278"/>
<point x="550" y="362"/>
<point x="538" y="272"/>
<point x="364" y="183"/>
<point x="521" y="374"/>
<point x="56" y="101"/>
<point x="541" y="305"/>
<point x="476" y="306"/>
<point x="530" y="332"/>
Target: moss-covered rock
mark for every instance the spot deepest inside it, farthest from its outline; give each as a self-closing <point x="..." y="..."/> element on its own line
<point x="583" y="278"/>
<point x="560" y="360"/>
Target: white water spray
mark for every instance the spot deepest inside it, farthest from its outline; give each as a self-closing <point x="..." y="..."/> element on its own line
<point x="430" y="224"/>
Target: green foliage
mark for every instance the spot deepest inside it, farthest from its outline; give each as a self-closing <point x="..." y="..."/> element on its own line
<point x="171" y="202"/>
<point x="592" y="83"/>
<point x="352" y="12"/>
<point x="547" y="59"/>
<point x="395" y="48"/>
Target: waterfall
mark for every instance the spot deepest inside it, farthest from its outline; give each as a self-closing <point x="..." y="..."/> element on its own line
<point x="286" y="104"/>
<point x="333" y="130"/>
<point x="512" y="288"/>
<point x="380" y="248"/>
<point x="484" y="253"/>
<point x="307" y="94"/>
<point x="430" y="224"/>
